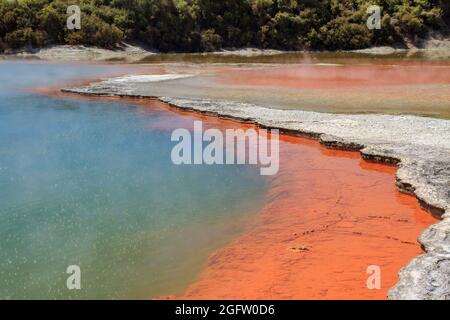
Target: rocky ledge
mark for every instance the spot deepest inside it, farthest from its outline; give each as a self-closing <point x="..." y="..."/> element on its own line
<point x="419" y="146"/>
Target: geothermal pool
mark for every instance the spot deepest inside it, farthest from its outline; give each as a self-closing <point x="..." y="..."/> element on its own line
<point x="90" y="182"/>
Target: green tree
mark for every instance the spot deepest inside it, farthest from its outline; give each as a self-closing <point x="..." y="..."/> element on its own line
<point x="205" y="25"/>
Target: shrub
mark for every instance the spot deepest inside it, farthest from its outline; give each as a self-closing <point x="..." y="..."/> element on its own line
<point x="210" y="40"/>
<point x="20" y="38"/>
<point x="53" y="22"/>
<point x="339" y="34"/>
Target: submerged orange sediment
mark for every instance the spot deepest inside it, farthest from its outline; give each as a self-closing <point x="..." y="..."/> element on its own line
<point x="304" y="76"/>
<point x="405" y="88"/>
<point x="327" y="218"/>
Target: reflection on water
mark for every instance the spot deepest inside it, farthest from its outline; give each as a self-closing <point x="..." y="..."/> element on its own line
<point x="298" y="57"/>
<point x="90" y="183"/>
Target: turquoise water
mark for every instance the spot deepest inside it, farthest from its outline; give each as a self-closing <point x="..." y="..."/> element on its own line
<point x="91" y="183"/>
